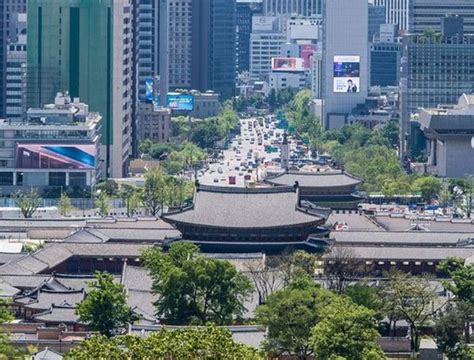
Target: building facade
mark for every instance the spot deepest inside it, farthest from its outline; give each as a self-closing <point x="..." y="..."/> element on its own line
<point x="86" y="48"/>
<point x="246" y="9"/>
<point x="345" y="59"/>
<point x="292" y="7"/>
<point x="396" y="12"/>
<point x="266" y="41"/>
<point x="54" y="146"/>
<point x="434" y="71"/>
<point x="385" y="64"/>
<point x="9" y="10"/>
<point x="448" y="132"/>
<point x="199" y="38"/>
<point x="154" y="123"/>
<point x="427" y="14"/>
<point x="15" y="73"/>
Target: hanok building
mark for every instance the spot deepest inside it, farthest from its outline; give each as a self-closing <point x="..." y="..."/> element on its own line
<point x="270" y="220"/>
<point x="336" y="190"/>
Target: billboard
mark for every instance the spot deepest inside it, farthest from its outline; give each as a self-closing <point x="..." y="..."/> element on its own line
<point x="307" y="51"/>
<point x="177" y="101"/>
<point x="346" y="74"/>
<point x="149" y="91"/>
<point x="55" y="156"/>
<point x="287" y="64"/>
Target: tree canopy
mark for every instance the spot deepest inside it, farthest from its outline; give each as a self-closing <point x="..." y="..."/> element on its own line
<point x="290" y="315"/>
<point x="193" y="289"/>
<point x="210" y="342"/>
<point x="346" y="330"/>
<point x="105" y="306"/>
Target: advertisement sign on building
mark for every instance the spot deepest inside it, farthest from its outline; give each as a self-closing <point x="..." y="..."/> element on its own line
<point x="55" y="156"/>
<point x="287" y="64"/>
<point x="177" y="101"/>
<point x="307" y="52"/>
<point x="149" y="92"/>
<point x="346" y="74"/>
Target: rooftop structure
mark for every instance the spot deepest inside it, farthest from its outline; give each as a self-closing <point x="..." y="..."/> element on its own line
<point x="332" y="189"/>
<point x="56" y="145"/>
<point x="248" y="219"/>
<point x="448" y="132"/>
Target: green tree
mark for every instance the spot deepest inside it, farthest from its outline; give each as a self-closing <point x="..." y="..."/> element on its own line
<point x="102" y="203"/>
<point x="131" y="195"/>
<point x="429" y="186"/>
<point x="154" y="192"/>
<point x="64" y="204"/>
<point x="346" y="330"/>
<point x="448" y="330"/>
<point x="28" y="202"/>
<point x="411" y="298"/>
<point x="110" y="187"/>
<point x="105" y="306"/>
<point x="365" y="295"/>
<point x="461" y="284"/>
<point x="193" y="289"/>
<point x="210" y="342"/>
<point x="289" y="316"/>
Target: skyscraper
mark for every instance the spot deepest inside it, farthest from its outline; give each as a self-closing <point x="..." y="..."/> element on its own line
<point x="427" y="14"/>
<point x="9" y="10"/>
<point x="435" y="71"/>
<point x="396" y="11"/>
<point x="199" y="44"/>
<point x="345" y="59"/>
<point x="245" y="10"/>
<point x="292" y="7"/>
<point x="86" y="48"/>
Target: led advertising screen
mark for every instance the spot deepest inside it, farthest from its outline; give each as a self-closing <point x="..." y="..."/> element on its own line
<point x="346" y="74"/>
<point x="287" y="64"/>
<point x="55" y="156"/>
<point x="149" y="92"/>
<point x="176" y="101"/>
<point x="307" y="51"/>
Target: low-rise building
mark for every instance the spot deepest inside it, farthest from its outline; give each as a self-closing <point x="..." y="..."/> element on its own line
<point x="57" y="146"/>
<point x="449" y="132"/>
<point x="154" y="123"/>
<point x="206" y="104"/>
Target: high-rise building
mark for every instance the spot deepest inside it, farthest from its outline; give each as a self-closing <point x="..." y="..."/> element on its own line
<point x="266" y="41"/>
<point x="435" y="71"/>
<point x="385" y="55"/>
<point x="86" y="48"/>
<point x="246" y="9"/>
<point x="427" y="14"/>
<point x="396" y="12"/>
<point x="214" y="55"/>
<point x="9" y="10"/>
<point x="15" y="72"/>
<point x="345" y="59"/>
<point x="200" y="44"/>
<point x="292" y="7"/>
<point x="376" y="18"/>
<point x="146" y="43"/>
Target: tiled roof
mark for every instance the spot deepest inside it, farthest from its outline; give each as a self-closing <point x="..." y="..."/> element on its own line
<point x="320" y="179"/>
<point x="398" y="238"/>
<point x="58" y="314"/>
<point x="101" y="235"/>
<point x="404" y="253"/>
<point x="43" y="300"/>
<point x="245" y="208"/>
<point x="53" y="254"/>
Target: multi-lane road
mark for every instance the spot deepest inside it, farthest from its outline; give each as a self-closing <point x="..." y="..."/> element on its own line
<point x="247" y="158"/>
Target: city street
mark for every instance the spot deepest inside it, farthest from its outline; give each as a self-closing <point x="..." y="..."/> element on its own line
<point x="247" y="159"/>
